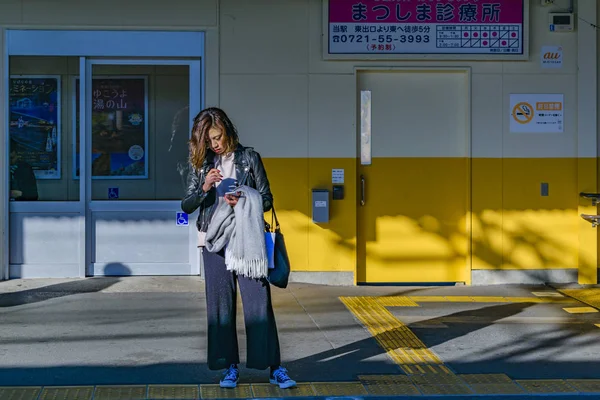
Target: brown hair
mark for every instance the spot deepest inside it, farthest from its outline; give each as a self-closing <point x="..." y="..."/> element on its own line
<point x="205" y="120"/>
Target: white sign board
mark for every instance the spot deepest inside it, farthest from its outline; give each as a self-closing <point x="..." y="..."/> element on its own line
<point x="536" y="113"/>
<point x="337" y="176"/>
<point x="551" y="57"/>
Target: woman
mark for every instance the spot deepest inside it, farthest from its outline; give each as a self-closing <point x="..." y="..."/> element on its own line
<point x="218" y="164"/>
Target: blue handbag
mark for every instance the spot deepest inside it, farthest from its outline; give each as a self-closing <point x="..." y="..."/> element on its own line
<point x="278" y="275"/>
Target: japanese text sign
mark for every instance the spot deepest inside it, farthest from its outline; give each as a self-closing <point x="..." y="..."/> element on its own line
<point x="426" y="27"/>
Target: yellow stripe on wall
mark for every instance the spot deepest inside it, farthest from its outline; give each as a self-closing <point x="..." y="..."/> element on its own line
<point x="513" y="226"/>
<point x="315" y="247"/>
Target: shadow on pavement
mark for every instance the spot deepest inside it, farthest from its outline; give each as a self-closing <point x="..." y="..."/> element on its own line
<point x="87" y="285"/>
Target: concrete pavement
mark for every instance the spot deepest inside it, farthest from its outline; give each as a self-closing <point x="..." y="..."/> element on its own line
<point x="150" y="331"/>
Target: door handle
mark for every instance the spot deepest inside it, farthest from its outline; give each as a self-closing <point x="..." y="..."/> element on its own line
<point x="362" y="190"/>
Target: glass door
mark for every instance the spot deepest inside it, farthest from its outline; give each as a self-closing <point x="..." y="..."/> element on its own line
<point x="138" y="122"/>
<point x="45" y="214"/>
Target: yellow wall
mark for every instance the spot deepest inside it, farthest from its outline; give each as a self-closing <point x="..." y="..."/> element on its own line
<point x="313" y="247"/>
<point x="514" y="227"/>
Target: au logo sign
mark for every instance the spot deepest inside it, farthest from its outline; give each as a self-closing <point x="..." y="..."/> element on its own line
<point x="551" y="57"/>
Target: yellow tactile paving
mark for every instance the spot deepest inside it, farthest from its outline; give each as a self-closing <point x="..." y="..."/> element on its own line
<point x="496" y="388"/>
<point x="547" y="294"/>
<point x="215" y="392"/>
<point x="135" y="392"/>
<point x="546" y="386"/>
<point x="266" y="390"/>
<point x="401" y="344"/>
<point x="339" y="389"/>
<point x="580" y="310"/>
<point x="67" y="393"/>
<point x="489" y="299"/>
<point x="480" y="379"/>
<point x="20" y="393"/>
<point x="173" y="392"/>
<point x="590" y="297"/>
<point x="585" y="385"/>
<point x="396" y="301"/>
<point x="445" y="389"/>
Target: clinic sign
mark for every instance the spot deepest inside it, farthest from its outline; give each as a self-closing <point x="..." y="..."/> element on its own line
<point x="425" y="27"/>
<point x="537" y="113"/>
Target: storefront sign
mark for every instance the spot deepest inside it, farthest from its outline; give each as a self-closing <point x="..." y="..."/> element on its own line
<point x="552" y="57"/>
<point x="34" y="107"/>
<point x="492" y="27"/>
<point x="119" y="128"/>
<point x="537" y="113"/>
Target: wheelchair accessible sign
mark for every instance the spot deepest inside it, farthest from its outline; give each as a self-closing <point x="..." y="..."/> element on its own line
<point x="536" y="113"/>
<point x="182" y="219"/>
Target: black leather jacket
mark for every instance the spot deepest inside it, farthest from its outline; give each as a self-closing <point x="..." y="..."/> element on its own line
<point x="250" y="171"/>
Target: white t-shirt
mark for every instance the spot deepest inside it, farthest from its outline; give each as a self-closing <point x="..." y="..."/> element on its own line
<point x="226" y="166"/>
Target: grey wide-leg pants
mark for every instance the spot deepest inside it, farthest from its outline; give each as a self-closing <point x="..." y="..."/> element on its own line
<point x="261" y="329"/>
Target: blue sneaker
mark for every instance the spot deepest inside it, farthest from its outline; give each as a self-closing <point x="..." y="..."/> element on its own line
<point x="231" y="378"/>
<point x="281" y="378"/>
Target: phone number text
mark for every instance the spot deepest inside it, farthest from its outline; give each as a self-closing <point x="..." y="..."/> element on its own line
<point x="380" y="38"/>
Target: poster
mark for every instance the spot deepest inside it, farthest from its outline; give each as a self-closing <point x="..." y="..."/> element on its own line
<point x="552" y="56"/>
<point x="34" y="108"/>
<point x="537" y="113"/>
<point x="119" y="128"/>
<point x="426" y="27"/>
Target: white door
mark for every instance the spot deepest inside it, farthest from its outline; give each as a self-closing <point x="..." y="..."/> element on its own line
<point x="413" y="177"/>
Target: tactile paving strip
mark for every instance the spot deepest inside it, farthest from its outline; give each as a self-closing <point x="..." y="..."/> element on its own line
<point x="339" y="389"/>
<point x="396" y="301"/>
<point x="173" y="392"/>
<point x="217" y="392"/>
<point x="546" y="386"/>
<point x="547" y="294"/>
<point x="496" y="388"/>
<point x="585" y="385"/>
<point x="401" y="344"/>
<point x="436" y="379"/>
<point x="479" y="379"/>
<point x="137" y="392"/>
<point x="590" y="297"/>
<point x="580" y="310"/>
<point x="428" y="389"/>
<point x="266" y="390"/>
<point x="389" y="385"/>
<point x="19" y="393"/>
<point x="67" y="393"/>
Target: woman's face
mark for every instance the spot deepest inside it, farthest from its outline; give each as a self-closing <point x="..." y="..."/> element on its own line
<point x="216" y="140"/>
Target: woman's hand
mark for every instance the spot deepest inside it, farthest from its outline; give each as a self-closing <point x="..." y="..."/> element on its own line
<point x="214" y="176"/>
<point x="231" y="199"/>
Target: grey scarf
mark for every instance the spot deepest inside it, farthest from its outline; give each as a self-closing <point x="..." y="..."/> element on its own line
<point x="242" y="230"/>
